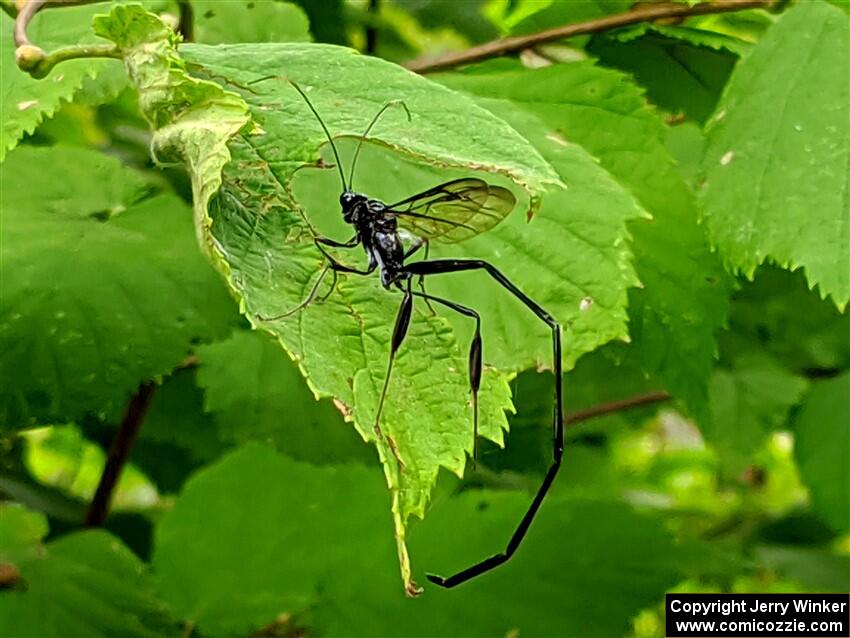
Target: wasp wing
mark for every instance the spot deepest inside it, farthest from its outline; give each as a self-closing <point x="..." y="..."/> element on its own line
<point x="454" y="211"/>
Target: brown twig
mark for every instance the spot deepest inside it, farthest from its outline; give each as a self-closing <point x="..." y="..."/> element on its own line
<point x="644" y="13"/>
<point x="119" y="450"/>
<point x="371" y="27"/>
<point x="617" y="406"/>
<point x="27" y="12"/>
<point x="34" y="60"/>
<point x="25" y="15"/>
<point x="191" y="361"/>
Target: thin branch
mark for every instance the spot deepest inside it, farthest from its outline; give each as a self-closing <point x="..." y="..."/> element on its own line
<point x="34" y="60"/>
<point x="30" y="8"/>
<point x="134" y="416"/>
<point x="10" y="576"/>
<point x="25" y="15"/>
<point x="617" y="406"/>
<point x="371" y="27"/>
<point x="186" y="25"/>
<point x="644" y="13"/>
<point x="191" y="361"/>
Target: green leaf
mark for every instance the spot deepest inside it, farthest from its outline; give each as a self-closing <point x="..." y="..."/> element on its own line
<point x="778" y="313"/>
<point x="748" y="25"/>
<point x="776" y="164"/>
<point x="176" y="417"/>
<point x="20" y="530"/>
<point x="685" y="143"/>
<point x="683" y="300"/>
<point x="83" y="185"/>
<point x="265" y="532"/>
<point x="817" y="569"/>
<point x="19" y="486"/>
<point x="219" y="22"/>
<point x="100" y="291"/>
<point x="748" y="402"/>
<point x="256" y="394"/>
<point x="84" y="584"/>
<point x="680" y="75"/>
<point x="258" y="535"/>
<point x="585" y="569"/>
<point x="259" y="238"/>
<point x="822" y="448"/>
<point x="24" y="101"/>
<point x="197" y="135"/>
<point x="466" y="18"/>
<point x="435" y="136"/>
<point x="685" y="34"/>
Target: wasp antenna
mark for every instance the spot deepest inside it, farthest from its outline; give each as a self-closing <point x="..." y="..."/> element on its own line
<point x="264" y="78"/>
<point x="369" y="128"/>
<point x="327" y="133"/>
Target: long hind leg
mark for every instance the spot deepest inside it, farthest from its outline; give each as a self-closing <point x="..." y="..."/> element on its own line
<point x="475" y="358"/>
<point x="421" y="242"/>
<point x="441" y="266"/>
<point x="402" y="323"/>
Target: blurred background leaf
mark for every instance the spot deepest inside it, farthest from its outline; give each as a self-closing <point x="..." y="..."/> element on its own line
<point x="249" y="506"/>
<point x="823" y="448"/>
<point x="86" y="583"/>
<point x="226" y="22"/>
<point x="327" y="557"/>
<point x="90" y="279"/>
<point x="255" y="394"/>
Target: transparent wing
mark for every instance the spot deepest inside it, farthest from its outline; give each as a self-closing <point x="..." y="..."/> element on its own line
<point x="454" y="211"/>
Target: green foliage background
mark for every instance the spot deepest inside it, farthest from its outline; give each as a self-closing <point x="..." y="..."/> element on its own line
<point x="683" y="213"/>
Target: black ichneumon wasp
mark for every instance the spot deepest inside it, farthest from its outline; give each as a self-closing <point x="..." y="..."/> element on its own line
<point x="449" y="212"/>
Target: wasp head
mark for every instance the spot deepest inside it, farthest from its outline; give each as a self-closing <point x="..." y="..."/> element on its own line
<point x="351" y="204"/>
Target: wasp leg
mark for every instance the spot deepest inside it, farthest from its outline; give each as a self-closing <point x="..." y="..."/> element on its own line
<point x="441" y="266"/>
<point x="419" y="243"/>
<point x="333" y="266"/>
<point x="402" y="323"/>
<point x="475" y="359"/>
